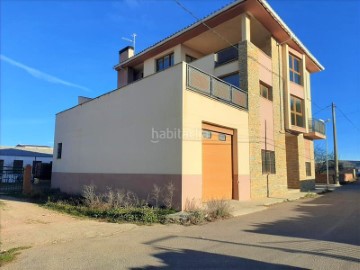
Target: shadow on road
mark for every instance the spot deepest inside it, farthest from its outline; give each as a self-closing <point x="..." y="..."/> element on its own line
<point x="333" y="217"/>
<point x="191" y="259"/>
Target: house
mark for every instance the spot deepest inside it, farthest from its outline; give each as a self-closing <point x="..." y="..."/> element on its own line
<point x="348" y="171"/>
<point x="23" y="155"/>
<point x="222" y="109"/>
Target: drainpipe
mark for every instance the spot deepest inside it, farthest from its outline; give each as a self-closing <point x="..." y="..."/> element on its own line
<point x="267" y="176"/>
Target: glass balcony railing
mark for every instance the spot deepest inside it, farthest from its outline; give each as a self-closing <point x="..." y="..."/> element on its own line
<point x="316" y="125"/>
<point x="209" y="85"/>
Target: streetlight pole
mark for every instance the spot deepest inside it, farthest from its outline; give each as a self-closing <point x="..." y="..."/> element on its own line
<point x="335" y="145"/>
<point x="326" y="151"/>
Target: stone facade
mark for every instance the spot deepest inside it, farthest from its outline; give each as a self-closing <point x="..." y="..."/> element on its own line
<point x="263" y="185"/>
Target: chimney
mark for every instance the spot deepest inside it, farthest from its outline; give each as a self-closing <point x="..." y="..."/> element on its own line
<point x="82" y="99"/>
<point x="126" y="53"/>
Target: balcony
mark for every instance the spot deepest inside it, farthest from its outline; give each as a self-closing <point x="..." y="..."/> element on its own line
<point x="317" y="129"/>
<point x="213" y="87"/>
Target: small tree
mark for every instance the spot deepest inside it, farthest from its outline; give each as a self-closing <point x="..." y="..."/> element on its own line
<point x="320" y="159"/>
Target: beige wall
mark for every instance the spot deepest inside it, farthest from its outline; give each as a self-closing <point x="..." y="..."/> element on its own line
<point x="108" y="141"/>
<point x="150" y="64"/>
<point x="205" y="63"/>
<point x="196" y="110"/>
<point x="113" y="133"/>
<point x="188" y="51"/>
<point x="265" y="69"/>
<point x="227" y="69"/>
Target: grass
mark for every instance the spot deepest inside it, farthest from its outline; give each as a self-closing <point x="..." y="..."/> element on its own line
<point x="134" y="214"/>
<point x="121" y="206"/>
<point x="7" y="256"/>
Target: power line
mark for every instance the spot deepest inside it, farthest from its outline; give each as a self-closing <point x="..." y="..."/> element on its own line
<point x="322" y="109"/>
<point x="223" y="38"/>
<point x="347" y="118"/>
<point x="203" y="23"/>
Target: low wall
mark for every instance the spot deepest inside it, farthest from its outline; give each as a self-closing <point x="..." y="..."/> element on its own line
<point x="141" y="184"/>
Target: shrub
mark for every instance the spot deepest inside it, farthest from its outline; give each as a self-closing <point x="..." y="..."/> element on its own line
<point x="218" y="209"/>
<point x="155" y="195"/>
<point x="169" y="195"/>
<point x="91" y="199"/>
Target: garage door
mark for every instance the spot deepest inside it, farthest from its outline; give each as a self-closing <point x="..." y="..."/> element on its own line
<point x="217" y="163"/>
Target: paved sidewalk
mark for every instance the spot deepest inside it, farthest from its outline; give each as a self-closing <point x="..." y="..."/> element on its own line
<point x="239" y="208"/>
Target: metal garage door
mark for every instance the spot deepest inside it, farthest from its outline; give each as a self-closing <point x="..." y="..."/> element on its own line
<point x="217" y="163"/>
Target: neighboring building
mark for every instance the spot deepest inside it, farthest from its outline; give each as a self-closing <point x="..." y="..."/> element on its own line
<point x="23" y="155"/>
<point x="348" y="171"/>
<point x="350" y="164"/>
<point x="222" y="113"/>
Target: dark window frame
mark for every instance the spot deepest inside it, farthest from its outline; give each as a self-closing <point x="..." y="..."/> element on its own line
<point x="295" y="73"/>
<point x="308" y="168"/>
<point x="16" y="164"/>
<point x="268" y="162"/>
<point x="269" y="92"/>
<point x="223" y="78"/>
<point x="189" y="58"/>
<point x="295" y="114"/>
<point x="59" y="151"/>
<point x="227" y="55"/>
<point x="164" y="62"/>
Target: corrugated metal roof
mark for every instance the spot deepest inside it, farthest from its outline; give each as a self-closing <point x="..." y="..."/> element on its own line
<point x="26" y="151"/>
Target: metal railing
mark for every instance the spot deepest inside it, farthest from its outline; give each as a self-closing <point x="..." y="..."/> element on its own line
<point x="11" y="180"/>
<point x="316" y="125"/>
<point x="212" y="86"/>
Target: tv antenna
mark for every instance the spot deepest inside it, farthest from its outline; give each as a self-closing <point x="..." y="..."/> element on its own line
<point x="131" y="40"/>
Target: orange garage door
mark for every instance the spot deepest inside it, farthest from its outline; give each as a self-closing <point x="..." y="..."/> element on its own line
<point x="217" y="164"/>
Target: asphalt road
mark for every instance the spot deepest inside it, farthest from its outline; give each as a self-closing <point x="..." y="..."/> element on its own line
<point x="320" y="233"/>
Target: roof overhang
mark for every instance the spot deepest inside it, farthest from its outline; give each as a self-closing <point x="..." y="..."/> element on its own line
<point x="259" y="9"/>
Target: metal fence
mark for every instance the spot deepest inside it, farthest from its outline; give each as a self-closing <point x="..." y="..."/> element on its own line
<point x="209" y="85"/>
<point x="11" y="180"/>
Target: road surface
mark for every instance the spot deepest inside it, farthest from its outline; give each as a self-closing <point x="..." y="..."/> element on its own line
<point x="318" y="233"/>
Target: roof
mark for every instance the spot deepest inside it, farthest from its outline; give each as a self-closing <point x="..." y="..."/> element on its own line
<point x="27" y="151"/>
<point x="279" y="29"/>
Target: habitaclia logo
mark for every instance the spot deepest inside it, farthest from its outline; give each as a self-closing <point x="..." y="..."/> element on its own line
<point x="175" y="134"/>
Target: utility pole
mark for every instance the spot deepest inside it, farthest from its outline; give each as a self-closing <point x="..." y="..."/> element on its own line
<point x="335" y="145"/>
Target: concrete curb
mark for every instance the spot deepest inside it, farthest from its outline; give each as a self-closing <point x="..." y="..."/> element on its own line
<point x="244" y="208"/>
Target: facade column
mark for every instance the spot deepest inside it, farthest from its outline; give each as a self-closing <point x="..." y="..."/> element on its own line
<point x="245" y="27"/>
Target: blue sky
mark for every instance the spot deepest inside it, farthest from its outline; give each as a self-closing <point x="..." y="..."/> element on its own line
<point x="54" y="51"/>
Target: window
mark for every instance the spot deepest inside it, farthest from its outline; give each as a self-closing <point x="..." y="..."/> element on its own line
<point x="227" y="55"/>
<point x="18" y="164"/>
<point x="222" y="137"/>
<point x="297" y="111"/>
<point x="268" y="162"/>
<point x="206" y="134"/>
<point x="189" y="59"/>
<point x="308" y="168"/>
<point x="165" y="62"/>
<point x="265" y="91"/>
<point x="294" y="67"/>
<point x="233" y="79"/>
<point x="59" y="150"/>
<point x="34" y="166"/>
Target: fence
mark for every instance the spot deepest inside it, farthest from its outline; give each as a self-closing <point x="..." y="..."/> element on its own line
<point x="11" y="180"/>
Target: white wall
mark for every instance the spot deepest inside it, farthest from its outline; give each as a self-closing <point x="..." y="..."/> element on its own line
<point x="113" y="133"/>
